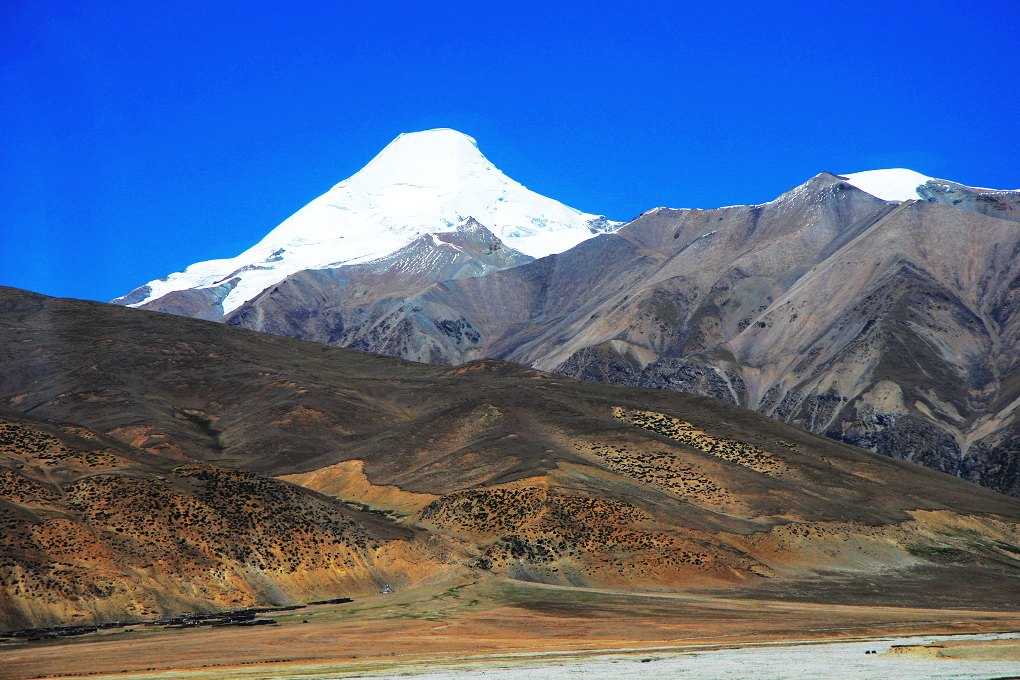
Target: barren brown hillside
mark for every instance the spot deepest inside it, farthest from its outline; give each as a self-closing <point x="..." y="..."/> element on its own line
<point x="153" y="464"/>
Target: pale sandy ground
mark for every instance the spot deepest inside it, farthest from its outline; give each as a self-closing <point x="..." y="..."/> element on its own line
<point x="471" y="628"/>
<point x="999" y="649"/>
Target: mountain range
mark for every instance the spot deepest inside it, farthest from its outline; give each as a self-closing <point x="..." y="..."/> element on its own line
<point x="152" y="465"/>
<point x="878" y="308"/>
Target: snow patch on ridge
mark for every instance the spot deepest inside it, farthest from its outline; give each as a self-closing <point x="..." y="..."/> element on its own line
<point x="894" y="184"/>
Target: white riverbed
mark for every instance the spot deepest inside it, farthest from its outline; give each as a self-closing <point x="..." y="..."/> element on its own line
<point x="829" y="661"/>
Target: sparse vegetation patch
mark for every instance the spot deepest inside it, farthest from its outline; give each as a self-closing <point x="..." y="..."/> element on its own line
<point x="730" y="450"/>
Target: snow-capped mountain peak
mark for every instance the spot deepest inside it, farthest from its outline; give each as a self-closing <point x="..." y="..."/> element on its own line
<point x="420" y="183"/>
<point x="438" y="158"/>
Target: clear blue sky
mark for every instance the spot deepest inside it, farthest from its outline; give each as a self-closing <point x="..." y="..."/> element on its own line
<point x="139" y="137"/>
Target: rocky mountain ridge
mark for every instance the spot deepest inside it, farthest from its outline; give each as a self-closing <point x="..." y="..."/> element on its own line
<point x="889" y="324"/>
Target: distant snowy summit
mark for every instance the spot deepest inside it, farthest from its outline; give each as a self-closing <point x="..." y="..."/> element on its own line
<point x="421" y="183"/>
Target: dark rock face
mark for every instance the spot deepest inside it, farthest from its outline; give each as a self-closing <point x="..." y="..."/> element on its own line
<point x="995" y="461"/>
<point x="690" y="376"/>
<point x="906" y="437"/>
<point x="602" y="364"/>
<point x="1003" y="205"/>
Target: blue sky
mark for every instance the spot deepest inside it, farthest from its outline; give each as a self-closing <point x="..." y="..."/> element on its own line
<point x="139" y="137"/>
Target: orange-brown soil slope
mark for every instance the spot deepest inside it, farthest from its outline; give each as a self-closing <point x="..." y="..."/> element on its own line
<point x="93" y="528"/>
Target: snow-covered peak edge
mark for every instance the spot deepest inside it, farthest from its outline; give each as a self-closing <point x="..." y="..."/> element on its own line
<point x="421" y="182"/>
<point x="439" y="157"/>
<point x="901" y="184"/>
<point x="892" y="184"/>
